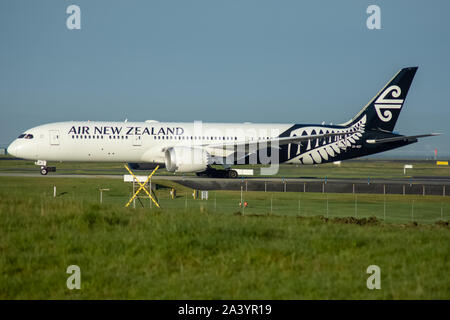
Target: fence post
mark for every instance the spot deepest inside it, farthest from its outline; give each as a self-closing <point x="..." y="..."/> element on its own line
<point x="150" y="190"/>
<point x="134" y="191"/>
<point x="356" y="206"/>
<point x="384" y="209"/>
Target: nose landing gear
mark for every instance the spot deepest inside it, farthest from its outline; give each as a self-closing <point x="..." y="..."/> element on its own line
<point x="44" y="169"/>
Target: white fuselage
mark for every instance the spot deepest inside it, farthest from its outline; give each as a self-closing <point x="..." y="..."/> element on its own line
<point x="131" y="141"/>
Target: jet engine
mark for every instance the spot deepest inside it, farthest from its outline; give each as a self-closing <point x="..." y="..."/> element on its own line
<point x="186" y="159"/>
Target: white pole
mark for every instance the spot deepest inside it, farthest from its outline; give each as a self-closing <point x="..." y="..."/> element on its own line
<point x="356" y="206"/>
<point x="54" y="191"/>
<point x="242" y="196"/>
<point x="271" y="196"/>
<point x="384" y="209"/>
<point x="134" y="200"/>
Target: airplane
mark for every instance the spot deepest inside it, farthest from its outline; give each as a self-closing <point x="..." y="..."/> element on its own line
<point x="195" y="147"/>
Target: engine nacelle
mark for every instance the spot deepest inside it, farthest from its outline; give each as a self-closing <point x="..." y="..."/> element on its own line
<point x="186" y="159"/>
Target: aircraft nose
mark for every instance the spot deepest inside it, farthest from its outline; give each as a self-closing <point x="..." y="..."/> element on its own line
<point x="12" y="149"/>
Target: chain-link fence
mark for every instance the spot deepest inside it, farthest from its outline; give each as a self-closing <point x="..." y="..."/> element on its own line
<point x="388" y="208"/>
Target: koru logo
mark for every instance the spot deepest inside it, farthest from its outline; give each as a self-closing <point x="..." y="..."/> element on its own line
<point x="383" y="103"/>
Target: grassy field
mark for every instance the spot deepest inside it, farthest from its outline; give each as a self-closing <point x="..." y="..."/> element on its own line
<point x="194" y="249"/>
<point x="347" y="169"/>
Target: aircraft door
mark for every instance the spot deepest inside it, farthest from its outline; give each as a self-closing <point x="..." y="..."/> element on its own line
<point x="54" y="137"/>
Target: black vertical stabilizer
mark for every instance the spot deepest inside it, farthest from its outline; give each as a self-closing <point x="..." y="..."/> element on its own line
<point x="383" y="110"/>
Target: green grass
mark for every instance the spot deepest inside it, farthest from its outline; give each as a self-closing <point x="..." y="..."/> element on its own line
<point x="206" y="251"/>
<point x="348" y="169"/>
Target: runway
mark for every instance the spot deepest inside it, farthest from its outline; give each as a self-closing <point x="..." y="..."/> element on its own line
<point x="439" y="186"/>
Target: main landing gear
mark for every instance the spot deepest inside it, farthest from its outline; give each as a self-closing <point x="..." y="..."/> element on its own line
<point x="44" y="169"/>
<point x="215" y="173"/>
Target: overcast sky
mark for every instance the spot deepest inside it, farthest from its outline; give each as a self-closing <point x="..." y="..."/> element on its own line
<point x="222" y="61"/>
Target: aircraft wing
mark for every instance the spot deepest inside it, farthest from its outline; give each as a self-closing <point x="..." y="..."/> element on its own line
<point x="272" y="143"/>
<point x="401" y="138"/>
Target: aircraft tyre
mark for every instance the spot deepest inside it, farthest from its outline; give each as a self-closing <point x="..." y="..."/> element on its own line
<point x="214" y="173"/>
<point x="232" y="174"/>
<point x="44" y="171"/>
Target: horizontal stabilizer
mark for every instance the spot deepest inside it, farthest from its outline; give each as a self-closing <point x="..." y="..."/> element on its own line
<point x="401" y="138"/>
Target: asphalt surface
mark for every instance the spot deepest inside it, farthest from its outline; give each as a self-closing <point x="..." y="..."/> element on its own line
<point x="424" y="180"/>
<point x="420" y="185"/>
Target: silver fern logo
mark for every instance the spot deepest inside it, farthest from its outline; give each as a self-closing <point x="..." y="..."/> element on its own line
<point x="324" y="149"/>
<point x="382" y="103"/>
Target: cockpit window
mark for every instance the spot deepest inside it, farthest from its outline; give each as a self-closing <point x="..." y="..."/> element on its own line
<point x="29" y="136"/>
<point x="21" y="136"/>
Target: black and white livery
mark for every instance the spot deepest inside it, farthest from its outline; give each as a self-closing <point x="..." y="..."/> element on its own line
<point x="194" y="147"/>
